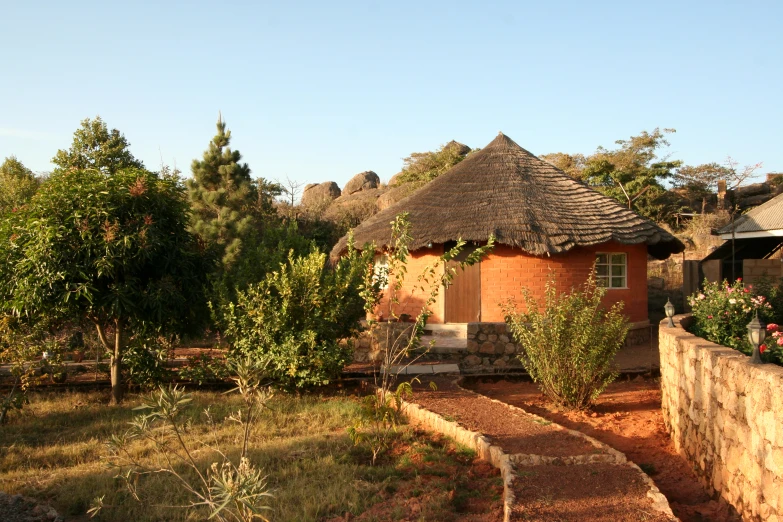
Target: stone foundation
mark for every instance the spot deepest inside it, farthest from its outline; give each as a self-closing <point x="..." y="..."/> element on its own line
<point x="725" y="417"/>
<point x="370" y="347"/>
<point x="490" y="346"/>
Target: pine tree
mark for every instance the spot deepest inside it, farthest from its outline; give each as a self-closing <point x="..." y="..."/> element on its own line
<point x="223" y="197"/>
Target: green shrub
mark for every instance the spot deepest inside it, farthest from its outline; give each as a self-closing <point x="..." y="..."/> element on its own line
<point x="295" y="319"/>
<point x="721" y="313"/>
<point x="569" y="341"/>
<point x="203" y="368"/>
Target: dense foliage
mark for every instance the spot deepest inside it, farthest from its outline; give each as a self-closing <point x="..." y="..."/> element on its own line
<point x="569" y="341"/>
<point x="111" y="250"/>
<point x="17" y="185"/>
<point x="722" y="311"/>
<point x="295" y="319"/>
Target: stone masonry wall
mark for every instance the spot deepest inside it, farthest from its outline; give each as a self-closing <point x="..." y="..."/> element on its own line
<point x="726" y="417"/>
<point x="491" y="346"/>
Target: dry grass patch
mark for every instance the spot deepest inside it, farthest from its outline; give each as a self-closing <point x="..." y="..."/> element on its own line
<point x="52" y="450"/>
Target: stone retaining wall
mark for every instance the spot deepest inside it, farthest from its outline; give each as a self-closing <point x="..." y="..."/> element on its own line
<point x="726" y="417"/>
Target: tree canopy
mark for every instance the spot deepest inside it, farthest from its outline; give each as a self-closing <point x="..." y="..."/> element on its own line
<point x="633" y="173"/>
<point x="17" y="184"/>
<point x="114" y="251"/>
<point x="96" y="147"/>
<point x="423" y="167"/>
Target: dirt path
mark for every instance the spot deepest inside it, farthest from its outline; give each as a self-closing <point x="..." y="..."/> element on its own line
<point x="628" y="418"/>
<point x="552" y="487"/>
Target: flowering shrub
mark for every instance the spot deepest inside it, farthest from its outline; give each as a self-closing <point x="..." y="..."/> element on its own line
<point x="722" y="312"/>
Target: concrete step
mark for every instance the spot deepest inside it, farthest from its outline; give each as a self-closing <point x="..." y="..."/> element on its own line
<point x="443" y="344"/>
<point x="459" y="331"/>
<point x="424" y="369"/>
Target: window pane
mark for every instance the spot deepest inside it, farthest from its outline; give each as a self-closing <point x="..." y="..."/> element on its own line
<point x="601" y="259"/>
<point x="618" y="259"/>
<point x="618" y="282"/>
<point x="618" y="270"/>
<point x="602" y="270"/>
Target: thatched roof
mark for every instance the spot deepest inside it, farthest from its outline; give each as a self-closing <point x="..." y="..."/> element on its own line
<point x="524" y="201"/>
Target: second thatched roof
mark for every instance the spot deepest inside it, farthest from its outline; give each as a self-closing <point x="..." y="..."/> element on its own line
<point x="524" y="201"/>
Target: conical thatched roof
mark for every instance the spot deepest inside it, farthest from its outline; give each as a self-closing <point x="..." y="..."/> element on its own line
<point x="524" y="201"/>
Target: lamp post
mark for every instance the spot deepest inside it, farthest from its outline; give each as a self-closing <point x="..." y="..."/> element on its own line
<point x="757" y="331"/>
<point x="669" y="309"/>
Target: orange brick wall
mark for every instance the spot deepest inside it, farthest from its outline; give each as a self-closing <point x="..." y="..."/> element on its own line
<point x="411" y="297"/>
<point x="506" y="270"/>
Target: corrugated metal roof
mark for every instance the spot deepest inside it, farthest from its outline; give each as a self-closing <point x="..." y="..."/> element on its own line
<point x="768" y="216"/>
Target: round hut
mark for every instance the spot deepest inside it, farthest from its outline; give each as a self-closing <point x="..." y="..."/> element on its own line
<point x="543" y="220"/>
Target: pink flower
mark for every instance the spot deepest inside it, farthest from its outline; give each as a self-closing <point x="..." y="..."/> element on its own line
<point x="739" y="279"/>
<point x="746" y="291"/>
<point x="709" y="317"/>
<point x="729" y="290"/>
<point x="772" y="327"/>
<point x="780" y="341"/>
<point x="763" y="348"/>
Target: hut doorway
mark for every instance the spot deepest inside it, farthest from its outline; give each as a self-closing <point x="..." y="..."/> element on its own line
<point x="462" y="300"/>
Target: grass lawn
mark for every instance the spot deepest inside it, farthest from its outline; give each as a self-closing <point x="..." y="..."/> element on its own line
<point x="52" y="450"/>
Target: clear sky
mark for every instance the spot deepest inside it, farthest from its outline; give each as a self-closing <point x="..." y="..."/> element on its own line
<point x="319" y="91"/>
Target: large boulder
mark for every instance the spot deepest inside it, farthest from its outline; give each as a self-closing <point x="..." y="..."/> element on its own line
<point x="321" y="193"/>
<point x="395" y="180"/>
<point x="363" y="181"/>
<point x="394" y="195"/>
<point x="459" y="148"/>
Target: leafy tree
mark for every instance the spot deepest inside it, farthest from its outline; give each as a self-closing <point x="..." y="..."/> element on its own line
<point x="633" y="173"/>
<point x="110" y="250"/>
<point x="423" y="167"/>
<point x="96" y="147"/>
<point x="17" y="184"/>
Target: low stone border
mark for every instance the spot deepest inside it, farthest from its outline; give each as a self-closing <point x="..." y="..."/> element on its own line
<point x="611" y="455"/>
<point x="475" y="441"/>
<point x="505" y="462"/>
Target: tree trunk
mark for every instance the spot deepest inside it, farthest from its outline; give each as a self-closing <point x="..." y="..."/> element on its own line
<point x="117" y="390"/>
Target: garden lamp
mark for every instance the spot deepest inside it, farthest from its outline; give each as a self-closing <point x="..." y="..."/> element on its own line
<point x="669" y="309"/>
<point x="757" y="330"/>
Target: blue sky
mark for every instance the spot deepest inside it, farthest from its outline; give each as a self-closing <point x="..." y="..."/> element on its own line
<point x="320" y="91"/>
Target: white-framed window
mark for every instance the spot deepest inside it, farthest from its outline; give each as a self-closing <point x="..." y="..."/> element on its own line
<point x="611" y="269"/>
<point x="381" y="270"/>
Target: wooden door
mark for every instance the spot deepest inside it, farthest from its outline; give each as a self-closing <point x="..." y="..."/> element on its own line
<point x="463" y="296"/>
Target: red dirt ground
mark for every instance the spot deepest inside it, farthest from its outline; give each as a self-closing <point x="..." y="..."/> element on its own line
<point x="628" y="417"/>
